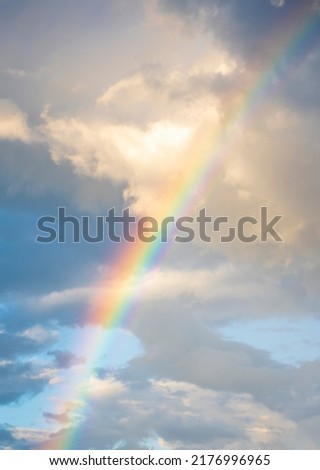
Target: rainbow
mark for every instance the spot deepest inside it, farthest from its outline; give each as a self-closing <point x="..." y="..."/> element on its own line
<point x="286" y="52"/>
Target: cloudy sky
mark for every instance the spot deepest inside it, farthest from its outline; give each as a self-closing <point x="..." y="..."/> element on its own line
<point x="161" y="106"/>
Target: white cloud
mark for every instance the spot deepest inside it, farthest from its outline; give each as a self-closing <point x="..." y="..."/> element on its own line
<point x="222" y="282"/>
<point x="34" y="436"/>
<point x="181" y="415"/>
<point x="65" y="297"/>
<point x="13" y="123"/>
<point x="121" y="153"/>
<point x="19" y="73"/>
<point x="278" y="3"/>
<point x="39" y="334"/>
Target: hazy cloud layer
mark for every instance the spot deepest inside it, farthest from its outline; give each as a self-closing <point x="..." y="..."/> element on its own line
<point x="125" y="104"/>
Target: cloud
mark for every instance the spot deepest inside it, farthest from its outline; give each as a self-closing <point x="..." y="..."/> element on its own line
<point x="22" y="439"/>
<point x="130" y="133"/>
<point x="18" y="438"/>
<point x="204" y="284"/>
<point x="278" y="3"/>
<point x="61" y="418"/>
<point x="25" y="343"/>
<point x="179" y="415"/>
<point x="65" y="297"/>
<point x="13" y="124"/>
<point x="19" y="73"/>
<point x="226" y="284"/>
<point x="242" y="27"/>
<point x="118" y="153"/>
<point x="170" y="91"/>
<point x="65" y="359"/>
<point x="20" y="380"/>
<point x="39" y="334"/>
<point x="6" y="439"/>
<point x="126" y="141"/>
<point x="239" y="399"/>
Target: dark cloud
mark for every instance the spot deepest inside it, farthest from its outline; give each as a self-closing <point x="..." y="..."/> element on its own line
<point x="43" y="185"/>
<point x="15" y="439"/>
<point x="32" y="186"/>
<point x="12" y="346"/>
<point x="18" y="381"/>
<point x="6" y="439"/>
<point x="248" y="27"/>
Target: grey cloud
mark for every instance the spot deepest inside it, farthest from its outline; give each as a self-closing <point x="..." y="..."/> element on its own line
<point x="183" y="416"/>
<point x="189" y="351"/>
<point x="194" y="412"/>
<point x="12" y="346"/>
<point x="181" y="351"/>
<point x="138" y="415"/>
<point x="6" y="438"/>
<point x="9" y="441"/>
<point x="59" y="418"/>
<point x="246" y="26"/>
<point x="43" y="185"/>
<point x="18" y="439"/>
<point x="32" y="186"/>
<point x="19" y="380"/>
<point x="65" y="359"/>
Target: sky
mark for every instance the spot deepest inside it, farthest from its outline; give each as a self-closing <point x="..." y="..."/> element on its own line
<point x="163" y="107"/>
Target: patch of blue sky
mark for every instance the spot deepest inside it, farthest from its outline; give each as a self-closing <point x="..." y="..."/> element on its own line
<point x="121" y="346"/>
<point x="117" y="347"/>
<point x="289" y="340"/>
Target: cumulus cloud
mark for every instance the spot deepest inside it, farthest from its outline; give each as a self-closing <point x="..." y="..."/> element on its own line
<point x="146" y="148"/>
<point x="117" y="152"/>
